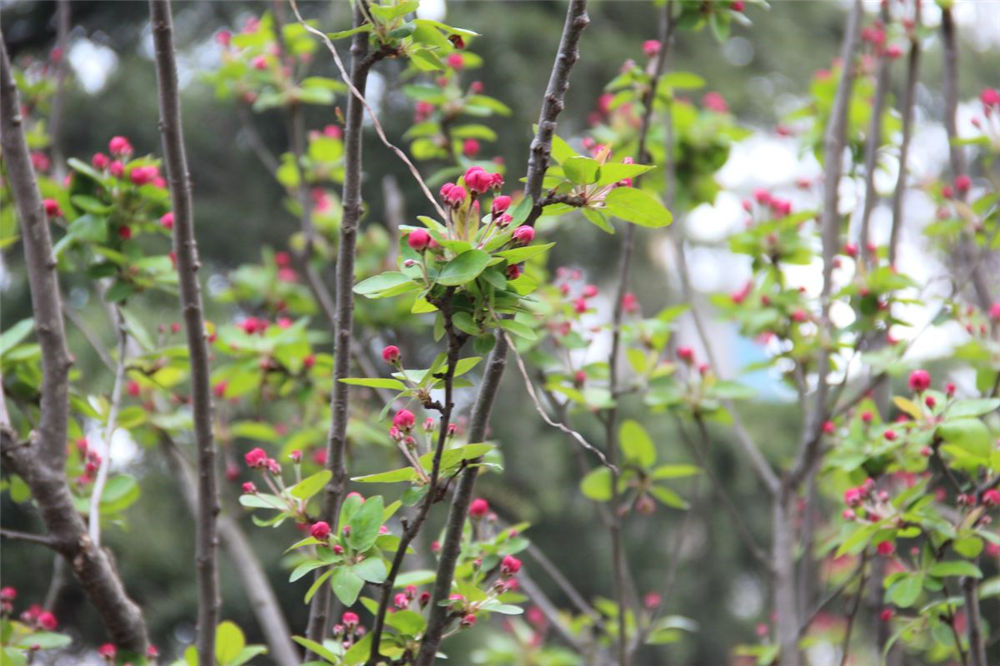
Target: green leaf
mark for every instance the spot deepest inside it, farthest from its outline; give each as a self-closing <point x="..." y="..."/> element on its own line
<point x="15" y="334"/>
<point x="346" y="585"/>
<point x="406" y="622"/>
<point x="366" y="27"/>
<point x="365" y="524"/>
<point x="668" y="497"/>
<point x="581" y="170"/>
<point x="597" y="484"/>
<point x="637" y="206"/>
<point x="971" y="435"/>
<point x="976" y="407"/>
<point x="314" y="588"/>
<point x="393" y="476"/>
<point x="905" y="591"/>
<point x="310" y="485"/>
<point x="674" y="471"/>
<point x="383" y="285"/>
<point x="371" y="569"/>
<point x="955" y="568"/>
<point x="229" y="642"/>
<point x="518" y="329"/>
<point x="636" y="444"/>
<point x="316" y="648"/>
<point x="463" y="268"/>
<point x="375" y="382"/>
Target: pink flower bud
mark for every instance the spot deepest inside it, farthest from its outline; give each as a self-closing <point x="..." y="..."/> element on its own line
<point x="890" y="435"/>
<point x="886" y="548"/>
<point x="167" y="220"/>
<point x="523" y="234"/>
<point x="249" y="487"/>
<point x="513" y="271"/>
<point x="478" y="180"/>
<point x="116" y="169"/>
<point x="651" y="47"/>
<point x="107" y="651"/>
<point x="479" y="508"/>
<point x="468" y="621"/>
<point x="52" y="208"/>
<point x="419" y="239"/>
<point x="120" y="146"/>
<point x="404" y="420"/>
<point x="391" y="354"/>
<point x="47" y="621"/>
<point x="454" y="195"/>
<point x="920" y="380"/>
<point x="686" y="354"/>
<point x="255" y="457"/>
<point x="963" y="183"/>
<point x="500" y="205"/>
<point x="470" y="147"/>
<point x="828" y="427"/>
<point x="320" y="530"/>
<point x="349" y="619"/>
<point x="259" y="63"/>
<point x="510" y="565"/>
<point x="454" y="60"/>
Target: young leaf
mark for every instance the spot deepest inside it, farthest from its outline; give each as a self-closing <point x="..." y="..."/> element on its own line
<point x="637" y="206"/>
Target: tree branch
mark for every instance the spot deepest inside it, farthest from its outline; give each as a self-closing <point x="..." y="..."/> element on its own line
<point x="872" y="143"/>
<point x="834" y="143"/>
<point x="260" y="594"/>
<point x="977" y="649"/>
<point x="186" y="249"/>
<point x="344" y="317"/>
<point x="41" y="462"/>
<point x="541" y="146"/>
<point x="28" y="537"/>
<point x="909" y="104"/>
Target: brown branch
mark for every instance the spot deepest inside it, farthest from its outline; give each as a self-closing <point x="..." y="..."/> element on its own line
<point x="186" y="249"/>
<point x="909" y="104"/>
<point x="830" y="223"/>
<point x="872" y="143"/>
<point x="263" y="602"/>
<point x="410" y="532"/>
<point x="541" y="146"/>
<point x="959" y="166"/>
<point x="344" y="316"/>
<point x="41" y="462"/>
<point x="977" y="649"/>
<point x="56" y="114"/>
<point x="852" y="613"/>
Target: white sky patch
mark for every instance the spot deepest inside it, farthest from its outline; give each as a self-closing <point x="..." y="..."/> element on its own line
<point x="92" y="64"/>
<point x="434" y="10"/>
<point x="713" y="223"/>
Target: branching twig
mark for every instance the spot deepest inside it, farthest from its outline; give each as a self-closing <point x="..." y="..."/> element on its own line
<point x="872" y="144"/>
<point x="186" y="249"/>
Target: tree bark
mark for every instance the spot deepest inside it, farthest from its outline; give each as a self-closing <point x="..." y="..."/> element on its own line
<point x="41" y="461"/>
<point x="186" y="249"/>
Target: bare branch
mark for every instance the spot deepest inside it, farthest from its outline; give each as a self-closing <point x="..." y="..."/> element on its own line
<point x="186" y="249"/>
<point x="873" y="142"/>
<point x="41" y="461"/>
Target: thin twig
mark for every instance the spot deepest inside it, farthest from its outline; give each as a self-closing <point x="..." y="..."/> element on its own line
<point x="28" y="537"/>
<point x="358" y="95"/>
<point x="852" y="613"/>
<point x="109" y="430"/>
<point x="558" y="425"/>
<point x="872" y="144"/>
<point x="186" y="250"/>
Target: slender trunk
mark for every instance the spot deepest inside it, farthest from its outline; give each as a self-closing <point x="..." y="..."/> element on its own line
<point x="263" y="602"/>
<point x="336" y="445"/>
<point x="186" y="250"/>
<point x="41" y="462"/>
<point x="783" y="556"/>
<point x="538" y="160"/>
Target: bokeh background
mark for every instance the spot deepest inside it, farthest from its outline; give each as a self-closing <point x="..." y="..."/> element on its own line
<point x="761" y="71"/>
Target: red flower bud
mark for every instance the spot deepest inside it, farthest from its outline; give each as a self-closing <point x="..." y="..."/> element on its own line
<point x="120" y="146"/>
<point x="255" y="457"/>
<point x="404" y="419"/>
<point x="107" y="651"/>
<point x="920" y="380"/>
<point x="500" y="205"/>
<point x="320" y="530"/>
<point x="479" y="508"/>
<point x="419" y="239"/>
<point x="52" y="208"/>
<point x="524" y="234"/>
<point x="167" y="220"/>
<point x="391" y="354"/>
<point x="249" y="487"/>
<point x="510" y="565"/>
